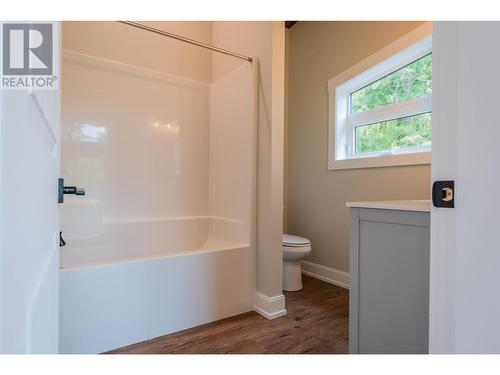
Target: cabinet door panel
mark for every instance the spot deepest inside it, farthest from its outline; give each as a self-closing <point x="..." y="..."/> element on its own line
<point x="393" y="288"/>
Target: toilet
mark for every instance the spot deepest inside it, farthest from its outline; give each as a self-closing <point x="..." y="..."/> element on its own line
<point x="295" y="249"/>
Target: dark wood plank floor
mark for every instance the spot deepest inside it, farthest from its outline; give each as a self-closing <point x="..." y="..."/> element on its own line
<point x="317" y="322"/>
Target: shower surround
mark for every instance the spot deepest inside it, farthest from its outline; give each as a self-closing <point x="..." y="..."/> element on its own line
<point x="164" y="239"/>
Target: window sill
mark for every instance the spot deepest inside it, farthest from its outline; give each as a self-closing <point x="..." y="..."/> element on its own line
<point x="417" y="158"/>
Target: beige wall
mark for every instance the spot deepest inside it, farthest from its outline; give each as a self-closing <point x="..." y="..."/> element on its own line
<point x="287" y="95"/>
<point x="316" y="196"/>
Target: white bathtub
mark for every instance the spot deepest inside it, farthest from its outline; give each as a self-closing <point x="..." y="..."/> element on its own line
<point x="136" y="280"/>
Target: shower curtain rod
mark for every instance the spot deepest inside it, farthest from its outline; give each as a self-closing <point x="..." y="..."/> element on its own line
<point x="187" y="40"/>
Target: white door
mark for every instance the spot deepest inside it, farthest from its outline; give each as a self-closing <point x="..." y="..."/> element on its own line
<point x="465" y="245"/>
<point x="29" y="219"/>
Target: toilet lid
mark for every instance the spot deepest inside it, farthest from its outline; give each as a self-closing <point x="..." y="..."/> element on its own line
<point x="291" y="240"/>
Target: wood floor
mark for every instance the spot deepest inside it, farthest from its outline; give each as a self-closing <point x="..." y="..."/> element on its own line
<point x="317" y="322"/>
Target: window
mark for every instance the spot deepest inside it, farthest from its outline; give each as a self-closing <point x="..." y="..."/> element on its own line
<point x="382" y="116"/>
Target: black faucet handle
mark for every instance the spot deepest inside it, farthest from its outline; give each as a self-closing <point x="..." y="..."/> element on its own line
<point x="68" y="190"/>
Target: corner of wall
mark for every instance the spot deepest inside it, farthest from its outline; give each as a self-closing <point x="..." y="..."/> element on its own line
<point x="269" y="307"/>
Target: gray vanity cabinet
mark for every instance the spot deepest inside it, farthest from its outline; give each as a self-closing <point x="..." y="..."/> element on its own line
<point x="389" y="281"/>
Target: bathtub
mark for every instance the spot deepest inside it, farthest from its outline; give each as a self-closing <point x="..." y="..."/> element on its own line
<point x="130" y="281"/>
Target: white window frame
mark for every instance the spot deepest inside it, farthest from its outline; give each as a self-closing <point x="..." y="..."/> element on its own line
<point x="342" y="124"/>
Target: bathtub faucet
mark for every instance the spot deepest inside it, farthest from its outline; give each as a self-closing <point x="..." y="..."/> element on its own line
<point x="67" y="190"/>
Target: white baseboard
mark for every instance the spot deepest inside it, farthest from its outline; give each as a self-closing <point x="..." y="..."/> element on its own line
<point x="269" y="307"/>
<point x="328" y="274"/>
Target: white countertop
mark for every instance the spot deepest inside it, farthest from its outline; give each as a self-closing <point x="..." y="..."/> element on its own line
<point x="408" y="205"/>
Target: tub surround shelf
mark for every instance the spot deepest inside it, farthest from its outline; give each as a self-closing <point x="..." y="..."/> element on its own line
<point x="400" y="205"/>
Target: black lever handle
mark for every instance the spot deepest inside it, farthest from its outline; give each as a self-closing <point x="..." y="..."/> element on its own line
<point x="73" y="190"/>
<point x="68" y="190"/>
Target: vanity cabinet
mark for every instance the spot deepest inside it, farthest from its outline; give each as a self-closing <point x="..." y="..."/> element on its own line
<point x="389" y="277"/>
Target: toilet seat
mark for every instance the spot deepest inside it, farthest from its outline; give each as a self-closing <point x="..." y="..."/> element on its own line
<point x="289" y="240"/>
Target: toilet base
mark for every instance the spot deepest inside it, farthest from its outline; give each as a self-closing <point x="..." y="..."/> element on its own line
<point x="292" y="276"/>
